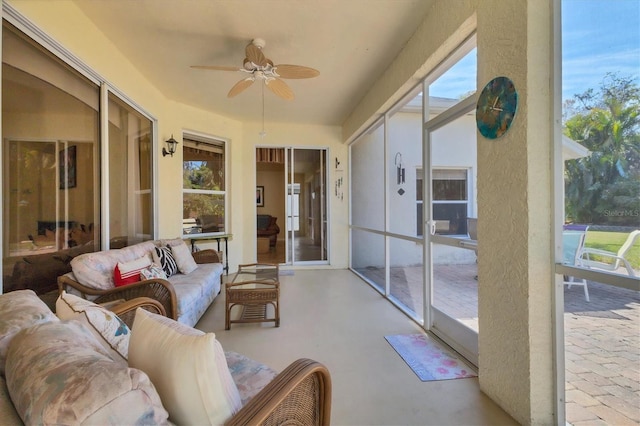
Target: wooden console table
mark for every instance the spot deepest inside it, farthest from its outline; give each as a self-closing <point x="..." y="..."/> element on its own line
<point x="225" y="237"/>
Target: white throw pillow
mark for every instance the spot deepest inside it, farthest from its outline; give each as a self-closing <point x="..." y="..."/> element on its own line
<point x="108" y="328"/>
<point x="183" y="257"/>
<point x="187" y="367"/>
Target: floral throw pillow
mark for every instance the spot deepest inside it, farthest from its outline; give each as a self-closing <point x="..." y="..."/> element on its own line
<point x="162" y="256"/>
<point x="153" y="271"/>
<point x="106" y="326"/>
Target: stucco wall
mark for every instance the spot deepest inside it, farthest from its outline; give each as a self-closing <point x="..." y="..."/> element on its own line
<point x="515" y="302"/>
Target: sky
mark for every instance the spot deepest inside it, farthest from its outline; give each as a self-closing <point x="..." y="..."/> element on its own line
<point x="598" y="36"/>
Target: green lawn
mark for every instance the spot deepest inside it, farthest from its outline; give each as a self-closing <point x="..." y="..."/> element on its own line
<point x="612" y="241"/>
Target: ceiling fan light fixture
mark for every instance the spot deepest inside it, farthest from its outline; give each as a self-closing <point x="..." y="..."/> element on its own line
<point x="262" y="68"/>
<point x="260" y="43"/>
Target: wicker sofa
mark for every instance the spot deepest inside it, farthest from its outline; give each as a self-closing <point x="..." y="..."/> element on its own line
<point x="185" y="297"/>
<point x="59" y="371"/>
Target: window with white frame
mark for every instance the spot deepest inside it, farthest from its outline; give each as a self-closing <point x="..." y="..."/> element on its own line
<point x="204" y="185"/>
<point x="450" y="189"/>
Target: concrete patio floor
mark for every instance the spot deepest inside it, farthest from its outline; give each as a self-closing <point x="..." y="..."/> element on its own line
<point x="602" y="337"/>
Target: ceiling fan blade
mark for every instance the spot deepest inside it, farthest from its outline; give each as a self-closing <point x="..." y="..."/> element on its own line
<point x="296" y="71"/>
<point x="255" y="55"/>
<point x="240" y="86"/>
<point x="215" y="67"/>
<point x="280" y="88"/>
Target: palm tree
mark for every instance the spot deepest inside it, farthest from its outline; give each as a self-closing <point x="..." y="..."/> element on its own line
<point x="604" y="188"/>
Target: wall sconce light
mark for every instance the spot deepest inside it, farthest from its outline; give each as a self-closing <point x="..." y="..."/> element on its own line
<point x="171" y="146"/>
<point x="400" y="168"/>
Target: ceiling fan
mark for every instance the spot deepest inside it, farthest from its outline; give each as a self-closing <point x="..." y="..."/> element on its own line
<point x="260" y="67"/>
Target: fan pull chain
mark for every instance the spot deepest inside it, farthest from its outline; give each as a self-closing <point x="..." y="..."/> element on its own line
<point x="263" y="133"/>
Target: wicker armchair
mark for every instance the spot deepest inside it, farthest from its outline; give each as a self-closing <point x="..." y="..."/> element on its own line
<point x="126" y="311"/>
<point x="156" y="289"/>
<point x="299" y="395"/>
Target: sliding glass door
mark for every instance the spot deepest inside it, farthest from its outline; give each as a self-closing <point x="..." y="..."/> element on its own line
<point x="306" y="206"/>
<point x="58" y="129"/>
<point x="50" y="125"/>
<point x="291" y="204"/>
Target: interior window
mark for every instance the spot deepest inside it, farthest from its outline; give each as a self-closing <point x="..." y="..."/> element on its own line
<point x="204" y="189"/>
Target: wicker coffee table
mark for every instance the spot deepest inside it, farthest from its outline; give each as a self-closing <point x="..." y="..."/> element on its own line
<point x="254" y="286"/>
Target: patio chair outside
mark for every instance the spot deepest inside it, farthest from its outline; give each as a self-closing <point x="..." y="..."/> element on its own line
<point x="572" y="248"/>
<point x="472" y="230"/>
<point x="615" y="258"/>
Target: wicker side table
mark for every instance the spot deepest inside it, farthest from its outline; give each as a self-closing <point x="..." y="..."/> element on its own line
<point x="254" y="287"/>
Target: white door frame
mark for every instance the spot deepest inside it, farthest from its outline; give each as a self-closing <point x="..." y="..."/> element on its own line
<point x="458" y="336"/>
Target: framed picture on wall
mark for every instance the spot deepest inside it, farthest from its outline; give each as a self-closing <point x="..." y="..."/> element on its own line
<point x="67" y="161"/>
<point x="260" y="196"/>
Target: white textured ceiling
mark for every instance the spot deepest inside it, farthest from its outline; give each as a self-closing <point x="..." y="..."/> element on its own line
<point x="351" y="43"/>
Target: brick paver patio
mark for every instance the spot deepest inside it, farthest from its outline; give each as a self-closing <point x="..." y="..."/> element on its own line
<point x="602" y="338"/>
<point x="602" y="355"/>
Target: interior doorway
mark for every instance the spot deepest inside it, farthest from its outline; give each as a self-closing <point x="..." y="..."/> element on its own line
<point x="291" y="226"/>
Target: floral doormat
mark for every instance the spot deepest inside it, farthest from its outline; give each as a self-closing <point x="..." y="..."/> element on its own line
<point x="428" y="359"/>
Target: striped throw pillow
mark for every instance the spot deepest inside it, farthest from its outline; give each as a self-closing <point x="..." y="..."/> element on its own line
<point x="129" y="272"/>
<point x="162" y="256"/>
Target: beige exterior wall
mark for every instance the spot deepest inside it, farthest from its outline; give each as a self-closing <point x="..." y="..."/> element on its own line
<point x="63" y="21"/>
